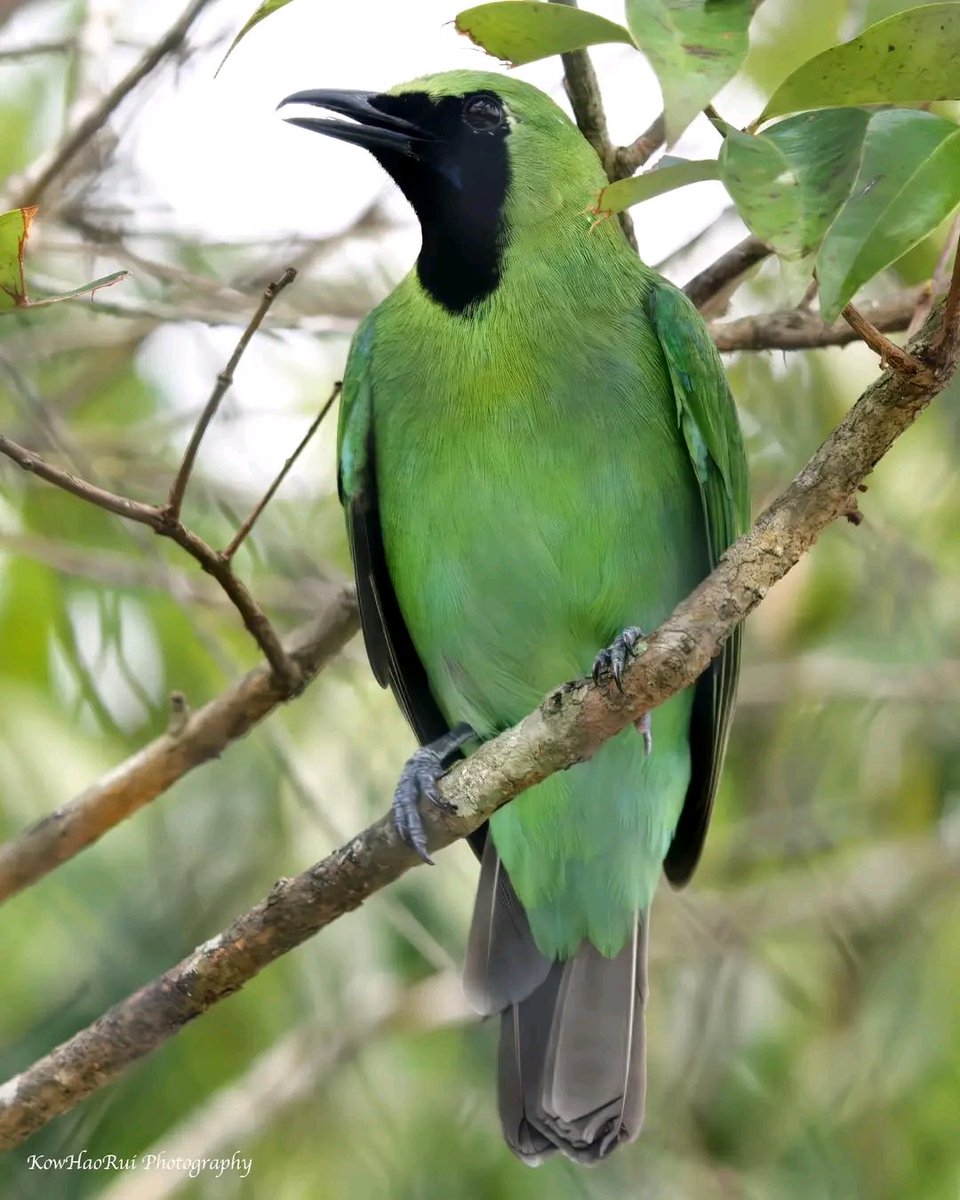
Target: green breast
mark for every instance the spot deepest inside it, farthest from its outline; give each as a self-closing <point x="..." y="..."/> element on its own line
<point x="534" y="503"/>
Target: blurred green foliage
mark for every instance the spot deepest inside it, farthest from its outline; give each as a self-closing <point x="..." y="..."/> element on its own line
<point x="811" y="1056"/>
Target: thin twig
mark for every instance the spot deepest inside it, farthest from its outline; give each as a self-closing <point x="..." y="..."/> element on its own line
<point x="254" y="618"/>
<point x="15" y="52"/>
<point x="224" y="380"/>
<point x="204" y="735"/>
<point x="31" y="190"/>
<point x="940" y="280"/>
<point x="268" y="495"/>
<point x="570" y="725"/>
<point x="583" y="91"/>
<point x="131" y="510"/>
<point x="944" y="345"/>
<point x="891" y="355"/>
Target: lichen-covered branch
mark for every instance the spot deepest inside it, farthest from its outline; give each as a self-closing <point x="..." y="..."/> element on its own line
<point x="202" y="736"/>
<point x="570" y="725"/>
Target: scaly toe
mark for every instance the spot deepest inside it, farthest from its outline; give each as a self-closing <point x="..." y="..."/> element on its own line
<point x="613" y="659"/>
<point x="418" y="781"/>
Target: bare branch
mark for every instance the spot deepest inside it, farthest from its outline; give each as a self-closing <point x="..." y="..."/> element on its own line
<point x="204" y="735"/>
<point x="889" y="352"/>
<point x="583" y="91"/>
<point x="224" y="380"/>
<point x="627" y="159"/>
<point x="726" y="272"/>
<point x="33" y="48"/>
<point x="31" y="190"/>
<point x="945" y="343"/>
<point x="132" y="510"/>
<point x="254" y="618"/>
<point x="801" y="329"/>
<point x="166" y="520"/>
<point x="249" y="523"/>
<point x="569" y="726"/>
<point x="940" y="280"/>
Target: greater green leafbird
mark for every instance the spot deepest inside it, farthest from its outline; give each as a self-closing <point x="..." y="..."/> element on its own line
<point x="539" y="457"/>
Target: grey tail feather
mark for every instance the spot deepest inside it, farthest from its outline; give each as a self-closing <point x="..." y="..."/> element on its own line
<point x="594" y="1076"/>
<point x="572" y="1070"/>
<point x="503" y="965"/>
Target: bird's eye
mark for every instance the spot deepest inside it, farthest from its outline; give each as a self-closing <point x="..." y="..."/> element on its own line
<point x="482" y="113"/>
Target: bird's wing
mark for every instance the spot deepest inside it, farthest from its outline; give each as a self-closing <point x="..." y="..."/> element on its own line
<point x="708" y="420"/>
<point x="390" y="649"/>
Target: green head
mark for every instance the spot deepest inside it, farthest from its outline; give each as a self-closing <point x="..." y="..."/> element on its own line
<point x="487" y="162"/>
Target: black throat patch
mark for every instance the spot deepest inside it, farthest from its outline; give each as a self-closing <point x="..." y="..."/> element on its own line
<point x="457" y="184"/>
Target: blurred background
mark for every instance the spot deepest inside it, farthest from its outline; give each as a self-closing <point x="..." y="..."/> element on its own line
<point x="804" y="1025"/>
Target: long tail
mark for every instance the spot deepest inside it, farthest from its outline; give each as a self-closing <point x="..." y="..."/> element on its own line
<point x="572" y="1073"/>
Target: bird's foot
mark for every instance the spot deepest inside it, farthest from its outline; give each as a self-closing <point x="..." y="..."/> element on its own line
<point x="418" y="781"/>
<point x="613" y="658"/>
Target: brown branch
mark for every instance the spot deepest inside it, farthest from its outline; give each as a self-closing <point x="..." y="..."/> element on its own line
<point x="945" y="343"/>
<point x="583" y="91"/>
<point x="28" y="51"/>
<point x="724" y="274"/>
<point x="627" y="159"/>
<point x="801" y="329"/>
<point x="889" y="352"/>
<point x="166" y="520"/>
<point x="31" y="190"/>
<point x="571" y="723"/>
<point x="254" y="618"/>
<point x="271" y="491"/>
<point x="187" y="744"/>
<point x="220" y="388"/>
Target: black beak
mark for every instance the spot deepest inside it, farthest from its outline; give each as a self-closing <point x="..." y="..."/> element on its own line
<point x="377" y="128"/>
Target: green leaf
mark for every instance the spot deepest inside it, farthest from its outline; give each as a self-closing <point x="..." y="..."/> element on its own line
<point x="263" y="11"/>
<point x="907" y="59"/>
<point x="520" y="31"/>
<point x="908" y="182"/>
<point x="664" y="178"/>
<point x="695" y="47"/>
<point x="14" y="230"/>
<point x="789" y="183"/>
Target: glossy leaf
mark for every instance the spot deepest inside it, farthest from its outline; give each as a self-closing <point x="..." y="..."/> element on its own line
<point x="14" y="230"/>
<point x="664" y="178"/>
<point x="908" y="58"/>
<point x="908" y="182"/>
<point x="694" y="46"/>
<point x="267" y="8"/>
<point x="521" y="31"/>
<point x="790" y="182"/>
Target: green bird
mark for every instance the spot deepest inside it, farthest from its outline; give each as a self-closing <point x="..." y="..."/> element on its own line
<point x="539" y="456"/>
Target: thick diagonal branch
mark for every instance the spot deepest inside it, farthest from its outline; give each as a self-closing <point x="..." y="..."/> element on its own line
<point x="570" y="725"/>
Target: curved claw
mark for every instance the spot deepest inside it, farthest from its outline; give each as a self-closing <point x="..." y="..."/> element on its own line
<point x="613" y="659"/>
